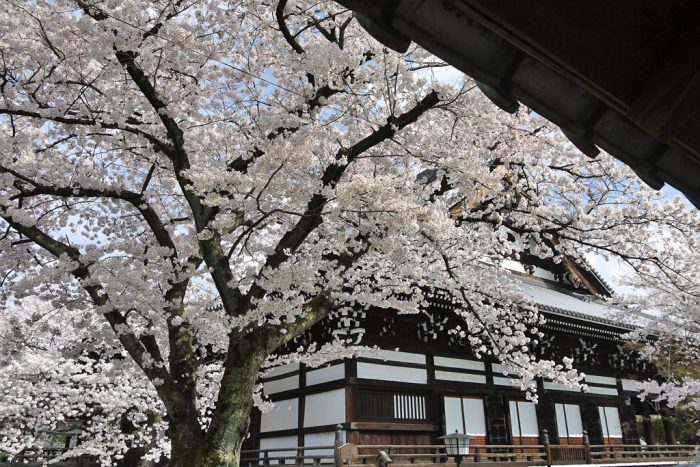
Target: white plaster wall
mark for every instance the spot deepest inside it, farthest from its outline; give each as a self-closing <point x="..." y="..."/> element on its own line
<point x="513" y="265"/>
<point x="323" y="375"/>
<point x="463" y="377"/>
<point x="558" y="387"/>
<point x="561" y="420"/>
<point x="600" y="380"/>
<point x="391" y="373"/>
<point x="612" y="416"/>
<point x="573" y="417"/>
<point x="602" y="391"/>
<point x="284" y="416"/>
<point x="459" y="363"/>
<point x="501" y="381"/>
<point x="282" y="369"/>
<point x="405" y="357"/>
<point x="528" y="419"/>
<point x="325" y="408"/>
<point x="572" y="420"/>
<point x="279" y="385"/>
<point x="630" y="385"/>
<point x="543" y="273"/>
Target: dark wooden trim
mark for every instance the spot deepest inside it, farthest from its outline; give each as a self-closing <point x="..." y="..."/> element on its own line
<point x="279" y="433"/>
<point x="391" y="343"/>
<point x="300" y="432"/>
<point x="439" y="410"/>
<point x="351" y="368"/>
<point x="603" y="385"/>
<point x="460" y="387"/>
<point x="323" y="387"/>
<point x="254" y="428"/>
<point x="302" y="375"/>
<point x="489" y="373"/>
<point x="389" y="385"/>
<point x="300" y="419"/>
<point x="430" y="367"/>
<point x="508" y="420"/>
<point x="351" y="403"/>
<point x="321" y="429"/>
<point x="385" y="426"/>
<point x="421" y="366"/>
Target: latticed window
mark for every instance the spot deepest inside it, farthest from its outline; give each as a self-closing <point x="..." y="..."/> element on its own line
<point x="409" y="407"/>
<point x="384" y="405"/>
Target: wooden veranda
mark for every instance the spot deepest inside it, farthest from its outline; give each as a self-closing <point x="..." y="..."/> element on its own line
<point x="502" y="455"/>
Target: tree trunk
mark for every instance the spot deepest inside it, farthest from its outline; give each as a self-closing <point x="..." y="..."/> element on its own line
<point x="184" y="430"/>
<point x="231" y="419"/>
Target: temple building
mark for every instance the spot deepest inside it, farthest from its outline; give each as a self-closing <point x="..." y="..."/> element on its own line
<point x="426" y="382"/>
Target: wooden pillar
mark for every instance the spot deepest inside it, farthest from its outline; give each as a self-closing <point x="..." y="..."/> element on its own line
<point x="547" y="415"/>
<point x="591" y="421"/>
<point x="667" y="421"/>
<point x="496" y="419"/>
<point x="544" y="439"/>
<point x="649" y="434"/>
<point x="628" y="419"/>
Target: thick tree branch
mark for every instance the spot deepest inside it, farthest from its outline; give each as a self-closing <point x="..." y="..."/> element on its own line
<point x="98" y="295"/>
<point x="209" y="240"/>
<point x="311" y="217"/>
<point x="182" y="361"/>
<point x="156" y="142"/>
<point x="241" y="164"/>
<point x="279" y="14"/>
<point x="154" y="222"/>
<point x="176" y="396"/>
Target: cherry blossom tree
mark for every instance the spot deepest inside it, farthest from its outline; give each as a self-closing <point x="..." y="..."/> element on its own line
<point x="187" y="185"/>
<point x="668" y="334"/>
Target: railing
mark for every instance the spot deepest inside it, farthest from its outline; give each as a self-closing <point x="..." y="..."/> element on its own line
<point x="436" y="454"/>
<point x="290" y="457"/>
<point x="35" y="457"/>
<point x="600" y="453"/>
<point x="429" y="455"/>
<point x="520" y="455"/>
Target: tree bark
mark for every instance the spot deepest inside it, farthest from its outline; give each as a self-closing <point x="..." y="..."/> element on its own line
<point x="229" y="427"/>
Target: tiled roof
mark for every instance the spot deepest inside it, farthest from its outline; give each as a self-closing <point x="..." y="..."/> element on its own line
<point x="558" y="301"/>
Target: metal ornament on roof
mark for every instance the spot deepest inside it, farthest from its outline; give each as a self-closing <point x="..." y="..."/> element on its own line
<point x="545" y="346"/>
<point x="586" y="352"/>
<point x="348" y="324"/>
<point x="431" y="327"/>
<point x="388" y="327"/>
<point x="626" y="359"/>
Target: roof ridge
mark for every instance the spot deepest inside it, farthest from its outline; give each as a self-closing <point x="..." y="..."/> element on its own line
<point x="597" y="275"/>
